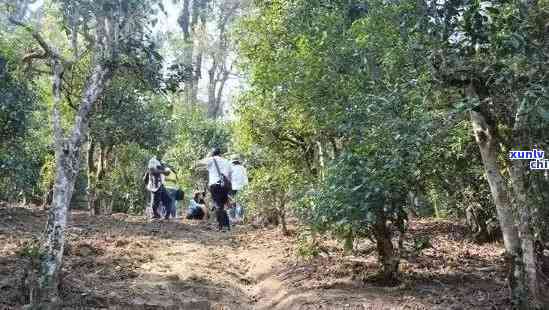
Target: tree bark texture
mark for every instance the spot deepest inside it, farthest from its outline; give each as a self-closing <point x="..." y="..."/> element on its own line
<point x="67" y="154"/>
<point x="388" y="257"/>
<point x="517" y="238"/>
<point x="518" y="173"/>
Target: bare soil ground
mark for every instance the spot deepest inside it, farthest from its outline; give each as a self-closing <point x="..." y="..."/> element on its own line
<point x="124" y="262"/>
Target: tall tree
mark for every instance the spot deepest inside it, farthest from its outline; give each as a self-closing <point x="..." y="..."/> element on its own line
<point x="495" y="53"/>
<point x="322" y="101"/>
<point x="20" y="116"/>
<point x="219" y="53"/>
<point x="192" y="21"/>
<point x="110" y="30"/>
<point x="126" y="114"/>
<point x="206" y="26"/>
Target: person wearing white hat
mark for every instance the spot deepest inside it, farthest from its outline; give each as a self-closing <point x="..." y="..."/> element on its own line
<point x="154" y="179"/>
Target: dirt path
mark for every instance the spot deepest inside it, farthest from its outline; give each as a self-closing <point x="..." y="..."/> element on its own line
<point x="124" y="262"/>
<point x="128" y="262"/>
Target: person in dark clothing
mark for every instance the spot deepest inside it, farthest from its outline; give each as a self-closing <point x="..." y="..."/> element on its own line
<point x="219" y="173"/>
<point x="203" y="203"/>
<point x="175" y="195"/>
<point x="220" y="197"/>
<point x="161" y="196"/>
<point x="155" y="178"/>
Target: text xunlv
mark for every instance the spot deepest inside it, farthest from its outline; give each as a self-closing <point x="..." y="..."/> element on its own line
<point x="536" y="157"/>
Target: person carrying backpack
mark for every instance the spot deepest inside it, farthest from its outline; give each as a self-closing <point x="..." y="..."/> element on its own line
<point x="154" y="179"/>
<point x="219" y="182"/>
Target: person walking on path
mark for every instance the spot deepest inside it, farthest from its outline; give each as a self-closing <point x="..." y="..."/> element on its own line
<point x="219" y="182"/>
<point x="239" y="175"/>
<point x="155" y="178"/>
<point x="239" y="179"/>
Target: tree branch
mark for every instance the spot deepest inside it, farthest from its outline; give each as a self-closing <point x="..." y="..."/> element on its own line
<point x="227" y="16"/>
<point x="70" y="103"/>
<point x="48" y="50"/>
<point x="34" y="55"/>
<point x="68" y="95"/>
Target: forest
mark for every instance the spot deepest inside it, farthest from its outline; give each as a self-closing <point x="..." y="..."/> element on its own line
<point x="396" y="150"/>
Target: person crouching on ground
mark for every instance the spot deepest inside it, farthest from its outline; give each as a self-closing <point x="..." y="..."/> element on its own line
<point x="219" y="172"/>
<point x="204" y="205"/>
<point x="197" y="208"/>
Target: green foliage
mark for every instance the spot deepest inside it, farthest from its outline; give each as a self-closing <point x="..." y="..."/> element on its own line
<point x="21" y="147"/>
<point x="124" y="185"/>
<point x="306" y="246"/>
<point x="331" y="87"/>
<point x="273" y="188"/>
<point x="501" y="52"/>
<point x="47" y="173"/>
<point x="350" y="199"/>
<point x="450" y="192"/>
<point x="131" y="114"/>
<point x="194" y="137"/>
<point x="132" y="123"/>
<point x="352" y="99"/>
<point x="16" y="107"/>
<point x="373" y="84"/>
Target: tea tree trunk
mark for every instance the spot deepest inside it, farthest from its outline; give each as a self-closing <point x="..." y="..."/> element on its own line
<point x="67" y="154"/>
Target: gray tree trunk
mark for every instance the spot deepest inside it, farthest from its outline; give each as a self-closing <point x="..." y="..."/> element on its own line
<point x="67" y="153"/>
<point x="217" y="77"/>
<point x="187" y="26"/>
<point x="388" y="257"/>
<point x="218" y="73"/>
<point x="518" y="174"/>
<point x="485" y="136"/>
<point x="55" y="229"/>
<point x="193" y="23"/>
<point x="198" y="33"/>
<point x="212" y="83"/>
<point x="91" y="191"/>
<point x="321" y="159"/>
<point x="518" y="171"/>
<point x="530" y="277"/>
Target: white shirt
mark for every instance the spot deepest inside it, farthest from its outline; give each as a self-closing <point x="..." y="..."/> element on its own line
<point x="155" y="181"/>
<point x="239" y="177"/>
<point x="224" y="168"/>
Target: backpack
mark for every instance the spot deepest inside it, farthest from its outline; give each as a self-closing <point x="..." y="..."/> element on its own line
<point x="223" y="179"/>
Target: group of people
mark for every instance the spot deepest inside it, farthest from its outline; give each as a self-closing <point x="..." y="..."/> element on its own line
<point x="226" y="178"/>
